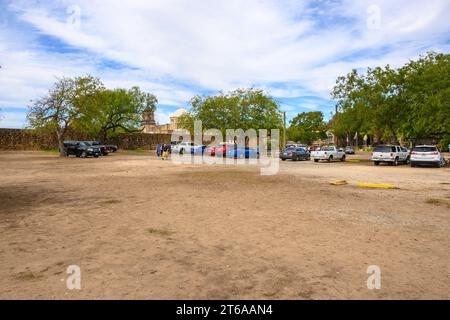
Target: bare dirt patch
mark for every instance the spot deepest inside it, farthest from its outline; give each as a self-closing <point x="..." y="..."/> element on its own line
<point x="139" y="227"/>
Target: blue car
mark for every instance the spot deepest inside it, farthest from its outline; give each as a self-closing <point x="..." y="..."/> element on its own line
<point x="242" y="153"/>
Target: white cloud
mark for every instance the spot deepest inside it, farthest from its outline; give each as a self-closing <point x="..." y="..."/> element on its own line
<point x="180" y="48"/>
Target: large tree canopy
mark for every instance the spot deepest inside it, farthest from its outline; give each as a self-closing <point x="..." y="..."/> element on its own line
<point x="63" y="105"/>
<point x="83" y="104"/>
<point x="411" y="102"/>
<point x="240" y="109"/>
<point x="115" y="111"/>
<point x="307" y="127"/>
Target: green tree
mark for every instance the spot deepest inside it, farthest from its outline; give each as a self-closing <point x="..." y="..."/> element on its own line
<point x="391" y="104"/>
<point x="115" y="111"/>
<point x="240" y="109"/>
<point x="63" y="106"/>
<point x="307" y="127"/>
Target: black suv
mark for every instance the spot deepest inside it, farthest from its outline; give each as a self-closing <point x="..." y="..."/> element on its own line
<point x="103" y="149"/>
<point x="81" y="149"/>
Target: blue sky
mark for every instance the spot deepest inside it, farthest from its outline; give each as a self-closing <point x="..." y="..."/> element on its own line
<point x="177" y="49"/>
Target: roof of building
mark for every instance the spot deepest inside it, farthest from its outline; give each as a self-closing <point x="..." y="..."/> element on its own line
<point x="178" y="113"/>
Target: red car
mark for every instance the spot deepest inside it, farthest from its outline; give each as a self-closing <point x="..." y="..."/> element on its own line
<point x="221" y="149"/>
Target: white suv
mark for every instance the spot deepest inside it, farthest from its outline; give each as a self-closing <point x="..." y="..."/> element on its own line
<point x="427" y="155"/>
<point x="390" y="154"/>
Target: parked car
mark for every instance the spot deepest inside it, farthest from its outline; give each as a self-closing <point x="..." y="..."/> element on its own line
<point x="329" y="154"/>
<point x="221" y="149"/>
<point x="427" y="155"/>
<point x="103" y="148"/>
<point x="111" y="148"/>
<point x="241" y="152"/>
<point x="81" y="149"/>
<point x="295" y="154"/>
<point x="390" y="154"/>
<point x="188" y="147"/>
<point x="349" y="150"/>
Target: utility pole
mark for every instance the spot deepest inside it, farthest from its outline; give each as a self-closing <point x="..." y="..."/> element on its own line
<point x="284" y="130"/>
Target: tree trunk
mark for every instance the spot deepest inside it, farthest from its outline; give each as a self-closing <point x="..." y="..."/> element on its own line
<point x="60" y="137"/>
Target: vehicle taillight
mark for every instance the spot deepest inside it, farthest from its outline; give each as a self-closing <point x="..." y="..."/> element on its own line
<point x="435" y="154"/>
<point x="413" y="152"/>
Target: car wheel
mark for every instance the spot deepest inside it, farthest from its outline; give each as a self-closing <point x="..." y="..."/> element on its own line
<point x="408" y="160"/>
<point x="395" y="162"/>
<point x="95" y="156"/>
<point x="330" y="159"/>
<point x="84" y="154"/>
<point x="316" y="160"/>
<point x="283" y="159"/>
<point x="182" y="151"/>
<point x="376" y="163"/>
<point x="343" y="158"/>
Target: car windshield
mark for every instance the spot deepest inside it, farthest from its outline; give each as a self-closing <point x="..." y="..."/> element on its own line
<point x="425" y="149"/>
<point x="384" y="149"/>
<point x="289" y="149"/>
<point x="300" y="150"/>
<point x="82" y="144"/>
<point x="87" y="143"/>
<point x="327" y="149"/>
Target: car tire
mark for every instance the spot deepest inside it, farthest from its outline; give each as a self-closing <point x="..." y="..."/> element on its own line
<point x="395" y="162"/>
<point x="84" y="154"/>
<point x="330" y="159"/>
<point x="343" y="158"/>
<point x="182" y="151"/>
<point x="412" y="165"/>
<point x="408" y="160"/>
<point x="283" y="159"/>
<point x="96" y="156"/>
<point x="376" y="163"/>
<point x="316" y="160"/>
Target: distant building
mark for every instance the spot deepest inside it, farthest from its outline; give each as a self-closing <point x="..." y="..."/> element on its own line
<point x="150" y="125"/>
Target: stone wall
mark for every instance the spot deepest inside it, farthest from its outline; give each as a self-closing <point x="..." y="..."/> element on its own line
<point x="22" y="139"/>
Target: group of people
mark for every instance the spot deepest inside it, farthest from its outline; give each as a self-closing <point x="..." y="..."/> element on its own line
<point x="163" y="150"/>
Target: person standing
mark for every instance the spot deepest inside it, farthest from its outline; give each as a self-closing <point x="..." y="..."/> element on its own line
<point x="158" y="150"/>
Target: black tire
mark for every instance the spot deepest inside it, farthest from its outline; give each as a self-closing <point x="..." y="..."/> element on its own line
<point x="96" y="156"/>
<point x="395" y="162"/>
<point x="412" y="165"/>
<point x="408" y="160"/>
<point x="316" y="160"/>
<point x="182" y="151"/>
<point x="343" y="158"/>
<point x="376" y="163"/>
<point x="84" y="154"/>
<point x="283" y="159"/>
<point x="330" y="159"/>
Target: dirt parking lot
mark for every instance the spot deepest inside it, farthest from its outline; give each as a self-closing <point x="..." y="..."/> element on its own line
<point x="143" y="228"/>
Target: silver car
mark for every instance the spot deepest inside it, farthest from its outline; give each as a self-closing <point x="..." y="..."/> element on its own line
<point x="427" y="155"/>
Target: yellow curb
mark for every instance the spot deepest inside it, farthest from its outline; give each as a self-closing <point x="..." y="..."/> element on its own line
<point x="376" y="185"/>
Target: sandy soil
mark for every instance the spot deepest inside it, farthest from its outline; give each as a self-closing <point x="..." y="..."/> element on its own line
<point x="142" y="228"/>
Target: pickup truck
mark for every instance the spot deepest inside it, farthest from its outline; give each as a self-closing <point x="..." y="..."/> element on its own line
<point x="329" y="154"/>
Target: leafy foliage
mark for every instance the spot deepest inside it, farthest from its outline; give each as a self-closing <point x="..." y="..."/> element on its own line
<point x="83" y="104"/>
<point x="409" y="103"/>
<point x="240" y="109"/>
<point x="307" y="127"/>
